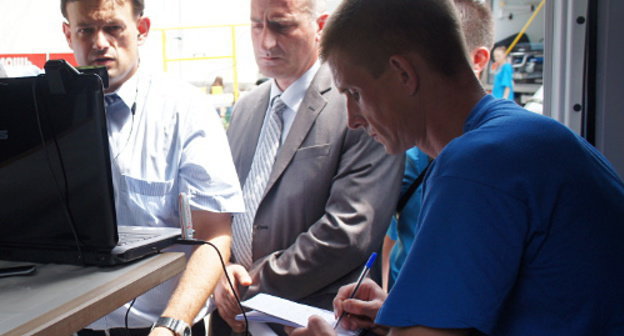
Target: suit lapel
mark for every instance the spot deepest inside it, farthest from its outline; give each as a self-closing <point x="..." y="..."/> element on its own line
<point x="253" y="122"/>
<point x="312" y="104"/>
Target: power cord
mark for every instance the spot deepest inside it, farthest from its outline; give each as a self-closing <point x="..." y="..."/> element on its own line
<point x="227" y="277"/>
<point x="126" y="317"/>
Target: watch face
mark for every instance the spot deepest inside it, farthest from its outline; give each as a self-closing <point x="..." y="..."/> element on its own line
<point x="187" y="331"/>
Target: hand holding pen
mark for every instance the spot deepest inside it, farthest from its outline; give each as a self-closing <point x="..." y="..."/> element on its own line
<point x="360" y="301"/>
<point x="369" y="297"/>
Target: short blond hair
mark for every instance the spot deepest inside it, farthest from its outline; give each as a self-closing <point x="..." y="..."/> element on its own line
<point x="477" y="23"/>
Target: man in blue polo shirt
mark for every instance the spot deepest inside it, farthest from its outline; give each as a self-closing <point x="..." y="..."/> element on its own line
<point x="475" y="18"/>
<point x="521" y="227"/>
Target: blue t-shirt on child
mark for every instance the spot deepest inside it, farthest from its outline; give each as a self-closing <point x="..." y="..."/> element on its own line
<point x="521" y="233"/>
<point x="502" y="79"/>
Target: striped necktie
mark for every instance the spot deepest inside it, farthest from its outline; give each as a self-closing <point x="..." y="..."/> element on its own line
<point x="255" y="184"/>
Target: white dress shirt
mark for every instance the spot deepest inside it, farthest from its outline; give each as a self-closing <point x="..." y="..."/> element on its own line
<point x="174" y="142"/>
<point x="292" y="97"/>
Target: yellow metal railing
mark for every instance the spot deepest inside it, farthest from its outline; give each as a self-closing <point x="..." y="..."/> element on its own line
<point x="526" y="25"/>
<point x="233" y="56"/>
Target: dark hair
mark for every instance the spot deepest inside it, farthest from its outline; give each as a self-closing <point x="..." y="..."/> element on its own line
<point x="138" y="6"/>
<point x="476" y="22"/>
<point x="368" y="32"/>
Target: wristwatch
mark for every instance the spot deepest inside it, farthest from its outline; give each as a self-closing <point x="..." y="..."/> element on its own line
<point x="179" y="328"/>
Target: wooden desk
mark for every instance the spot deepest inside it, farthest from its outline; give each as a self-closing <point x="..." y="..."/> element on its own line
<point x="61" y="299"/>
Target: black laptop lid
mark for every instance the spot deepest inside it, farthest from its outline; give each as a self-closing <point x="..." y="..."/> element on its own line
<point x="55" y="189"/>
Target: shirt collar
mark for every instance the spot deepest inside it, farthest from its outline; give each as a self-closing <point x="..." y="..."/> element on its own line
<point x="480" y="113"/>
<point x="294" y="94"/>
<point x="128" y="90"/>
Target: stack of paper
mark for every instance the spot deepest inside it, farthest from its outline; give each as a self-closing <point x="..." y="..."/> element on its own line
<point x="272" y="309"/>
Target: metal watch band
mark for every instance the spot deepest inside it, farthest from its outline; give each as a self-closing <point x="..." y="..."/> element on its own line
<point x="179" y="327"/>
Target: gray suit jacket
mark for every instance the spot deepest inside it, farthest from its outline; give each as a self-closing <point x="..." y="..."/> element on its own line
<point x="328" y="201"/>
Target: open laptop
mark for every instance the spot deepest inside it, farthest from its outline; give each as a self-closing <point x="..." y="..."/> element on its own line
<point x="56" y="193"/>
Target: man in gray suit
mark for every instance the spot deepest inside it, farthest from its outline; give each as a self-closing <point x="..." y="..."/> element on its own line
<point x="330" y="191"/>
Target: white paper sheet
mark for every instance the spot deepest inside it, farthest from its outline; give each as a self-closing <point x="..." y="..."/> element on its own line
<point x="272" y="309"/>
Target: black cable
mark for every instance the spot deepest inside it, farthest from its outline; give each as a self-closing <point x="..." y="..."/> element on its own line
<point x="133" y="111"/>
<point x="63" y="197"/>
<point x="129" y="135"/>
<point x="412" y="188"/>
<point x="126" y="317"/>
<point x="227" y="277"/>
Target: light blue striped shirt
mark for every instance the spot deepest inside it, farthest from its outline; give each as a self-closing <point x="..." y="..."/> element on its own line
<point x="174" y="143"/>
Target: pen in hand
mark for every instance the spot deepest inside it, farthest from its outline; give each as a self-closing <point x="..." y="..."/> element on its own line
<point x="364" y="273"/>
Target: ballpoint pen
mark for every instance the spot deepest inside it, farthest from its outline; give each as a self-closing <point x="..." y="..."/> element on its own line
<point x="364" y="273"/>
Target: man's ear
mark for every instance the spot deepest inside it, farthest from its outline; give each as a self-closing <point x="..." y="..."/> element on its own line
<point x="405" y="71"/>
<point x="143" y="26"/>
<point x="479" y="57"/>
<point x="67" y="33"/>
<point x="320" y="23"/>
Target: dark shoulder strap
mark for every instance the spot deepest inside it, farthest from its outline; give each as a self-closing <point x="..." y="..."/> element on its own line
<point x="412" y="188"/>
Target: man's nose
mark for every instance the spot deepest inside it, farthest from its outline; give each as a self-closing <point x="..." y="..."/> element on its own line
<point x="100" y="40"/>
<point x="268" y="39"/>
<point x="354" y="118"/>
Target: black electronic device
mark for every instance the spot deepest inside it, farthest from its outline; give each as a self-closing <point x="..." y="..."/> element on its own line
<point x="56" y="191"/>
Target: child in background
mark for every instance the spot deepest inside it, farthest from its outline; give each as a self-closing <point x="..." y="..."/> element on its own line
<point x="503" y="75"/>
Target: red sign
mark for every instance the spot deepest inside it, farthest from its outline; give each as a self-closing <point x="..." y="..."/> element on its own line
<point x="38" y="60"/>
<point x="69" y="57"/>
<point x="14" y="60"/>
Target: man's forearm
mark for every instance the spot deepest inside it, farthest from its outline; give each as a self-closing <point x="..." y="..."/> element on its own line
<point x="387" y="246"/>
<point x="198" y="281"/>
<point x="204" y="267"/>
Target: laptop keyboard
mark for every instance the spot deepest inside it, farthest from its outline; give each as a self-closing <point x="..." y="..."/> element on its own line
<point x="131" y="237"/>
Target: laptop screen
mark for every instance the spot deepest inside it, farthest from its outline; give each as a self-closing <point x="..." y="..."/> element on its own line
<point x="55" y="189"/>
